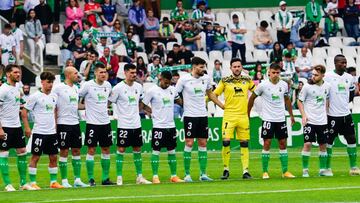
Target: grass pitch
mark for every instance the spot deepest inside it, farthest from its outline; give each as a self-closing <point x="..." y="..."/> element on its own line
<point x="340" y="188"/>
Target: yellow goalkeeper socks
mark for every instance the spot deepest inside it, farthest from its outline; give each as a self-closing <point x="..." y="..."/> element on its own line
<point x="226" y="156"/>
<point x="244" y="151"/>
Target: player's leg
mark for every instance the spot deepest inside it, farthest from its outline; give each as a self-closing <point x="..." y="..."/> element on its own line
<point x="37" y="147"/>
<point x="189" y="142"/>
<point x="51" y="149"/>
<point x="333" y="125"/>
<point x="267" y="133"/>
<point x="76" y="144"/>
<point x="119" y="164"/>
<point x="105" y="141"/>
<point x="349" y="133"/>
<point x="4" y="159"/>
<point x="170" y="143"/>
<point x="281" y="134"/>
<point x="309" y="137"/>
<point x="156" y="144"/>
<point x="243" y="134"/>
<point x="322" y="134"/>
<point x="136" y="143"/>
<point x="228" y="128"/>
<point x="22" y="165"/>
<point x="91" y="141"/>
<point x="63" y="135"/>
<point x="202" y="136"/>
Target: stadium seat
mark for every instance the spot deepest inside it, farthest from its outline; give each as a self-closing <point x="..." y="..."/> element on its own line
<point x="307" y="54"/>
<point x="333" y="51"/>
<point x="226" y="68"/>
<point x="240" y="14"/>
<point x="358" y="66"/>
<point x="319" y="52"/>
<point x="249" y="44"/>
<point x="347" y="40"/>
<point x="340" y="23"/>
<point x="145" y="57"/>
<point x="330" y="66"/>
<point x="350" y="61"/>
<point x="249" y="56"/>
<point x="349" y="51"/>
<point x="178" y="37"/>
<point x="163" y="14"/>
<point x="227" y="55"/>
<point x="169" y="46"/>
<point x="335" y="42"/>
<point x="213" y="55"/>
<point x="52" y="49"/>
<point x="260" y="55"/>
<point x="202" y="54"/>
<point x="250" y="26"/>
<point x="120" y="73"/>
<point x="203" y="40"/>
<point x="318" y="61"/>
<point x="273" y="34"/>
<point x="211" y="109"/>
<point x="356" y="105"/>
<point x="251" y="16"/>
<point x="222" y="18"/>
<point x="265" y="15"/>
<point x="210" y="67"/>
<point x="219" y="112"/>
<point x="136" y="39"/>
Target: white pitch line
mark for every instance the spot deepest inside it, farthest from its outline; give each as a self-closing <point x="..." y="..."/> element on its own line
<point x="199" y="194"/>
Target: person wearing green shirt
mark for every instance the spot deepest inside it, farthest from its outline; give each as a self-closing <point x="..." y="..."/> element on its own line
<point x="19" y="14"/>
<point x="190" y="39"/>
<point x="313" y="13"/>
<point x="221" y="43"/>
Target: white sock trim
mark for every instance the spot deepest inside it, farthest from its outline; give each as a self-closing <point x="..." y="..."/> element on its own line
<point x="122" y="153"/>
<point x="53" y="170"/>
<point x="202" y="149"/>
<point x="329" y="146"/>
<point x="4" y="154"/>
<point x="157" y="153"/>
<point x="105" y="156"/>
<point x="351" y="145"/>
<point x="76" y="157"/>
<point x="89" y="157"/>
<point x="63" y="159"/>
<point x="265" y="152"/>
<point x="139" y="152"/>
<point x="172" y="151"/>
<point x="305" y="153"/>
<point x="283" y="151"/>
<point x="22" y="154"/>
<point x="322" y="153"/>
<point x="187" y="149"/>
<point x="32" y="171"/>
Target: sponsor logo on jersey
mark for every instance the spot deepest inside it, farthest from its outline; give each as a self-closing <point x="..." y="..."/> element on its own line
<point x="319" y="99"/>
<point x="166" y="101"/>
<point x="132" y="100"/>
<point x="341" y="87"/>
<point x="197" y="90"/>
<point x="73" y="99"/>
<point x="275" y="97"/>
<point x="100" y="97"/>
<point x="49" y="107"/>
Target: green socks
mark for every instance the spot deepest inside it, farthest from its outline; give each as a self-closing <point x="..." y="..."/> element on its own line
<point x="53" y="174"/>
<point x="265" y="157"/>
<point x="284" y="160"/>
<point x="187" y="159"/>
<point x="322" y="160"/>
<point x="90" y="166"/>
<point x="351" y="150"/>
<point x="329" y="155"/>
<point x="105" y="165"/>
<point x="138" y="162"/>
<point x="4" y="167"/>
<point x="63" y="167"/>
<point x="32" y="174"/>
<point x="22" y="166"/>
<point x="76" y="163"/>
<point x="119" y="163"/>
<point x="305" y="159"/>
<point x="172" y="162"/>
<point x="202" y="153"/>
<point x="155" y="162"/>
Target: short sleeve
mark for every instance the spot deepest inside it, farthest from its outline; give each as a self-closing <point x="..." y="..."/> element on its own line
<point x="2" y="96"/>
<point x="148" y="97"/>
<point x="208" y="84"/>
<point x="141" y="96"/>
<point x="114" y="94"/>
<point x="259" y="90"/>
<point x="180" y="85"/>
<point x="303" y="93"/>
<point x="220" y="88"/>
<point x="31" y="102"/>
<point x="84" y="90"/>
<point x="252" y="86"/>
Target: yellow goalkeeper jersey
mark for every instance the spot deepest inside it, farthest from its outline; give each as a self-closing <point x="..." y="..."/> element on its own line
<point x="236" y="94"/>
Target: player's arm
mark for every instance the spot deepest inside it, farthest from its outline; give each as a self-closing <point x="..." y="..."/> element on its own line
<point x="219" y="89"/>
<point x="251" y="102"/>
<point x="145" y="107"/>
<point x="289" y="108"/>
<point x="145" y="100"/>
<point x="301" y="109"/>
<point x="2" y="133"/>
<point x="24" y="117"/>
<point x="214" y="98"/>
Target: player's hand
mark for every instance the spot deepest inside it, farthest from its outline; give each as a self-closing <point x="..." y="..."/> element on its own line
<point x="304" y="120"/>
<point x="27" y="132"/>
<point x="2" y="134"/>
<point x="292" y="120"/>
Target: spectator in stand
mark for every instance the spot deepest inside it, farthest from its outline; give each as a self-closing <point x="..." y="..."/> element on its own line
<point x="112" y="65"/>
<point x="73" y="13"/>
<point x="87" y="67"/>
<point x="152" y="69"/>
<point x="294" y="34"/>
<point x="196" y="2"/>
<point x="79" y="51"/>
<point x="131" y="48"/>
<point x="108" y="15"/>
<point x="6" y="9"/>
<point x="68" y="39"/>
<point x="30" y="4"/>
<point x="313" y="12"/>
<point x="122" y="9"/>
<point x="290" y="49"/>
<point x="180" y="20"/>
<point x="92" y="11"/>
<point x="141" y="70"/>
<point x="176" y="55"/>
<point x="262" y="38"/>
<point x="33" y="30"/>
<point x="258" y="77"/>
<point x="238" y="30"/>
<point x="19" y="42"/>
<point x="19" y="12"/>
<point x="331" y="24"/>
<point x="151" y="29"/>
<point x="166" y="31"/>
<point x="197" y="16"/>
<point x="117" y="29"/>
<point x="283" y="21"/>
<point x="351" y="19"/>
<point x="190" y="39"/>
<point x="209" y="37"/>
<point x="257" y="68"/>
<point x="174" y="13"/>
<point x="7" y="46"/>
<point x="217" y="72"/>
<point x="137" y="18"/>
<point x="187" y="54"/>
<point x="45" y="15"/>
<point x="288" y="69"/>
<point x="277" y="53"/>
<point x="310" y="34"/>
<point x="157" y="49"/>
<point x="221" y="43"/>
<point x="103" y="44"/>
<point x="303" y="64"/>
<point x="88" y="35"/>
<point x="209" y="16"/>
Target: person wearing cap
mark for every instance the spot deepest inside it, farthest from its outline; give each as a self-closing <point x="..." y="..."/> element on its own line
<point x="166" y="31"/>
<point x="262" y="38"/>
<point x="238" y="31"/>
<point x="190" y="39"/>
<point x="283" y="21"/>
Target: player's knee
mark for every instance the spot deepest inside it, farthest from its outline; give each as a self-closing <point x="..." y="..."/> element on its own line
<point x="226" y="143"/>
<point x="244" y="144"/>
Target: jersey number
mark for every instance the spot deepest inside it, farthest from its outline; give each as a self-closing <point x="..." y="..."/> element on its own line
<point x="123" y="134"/>
<point x="158" y="135"/>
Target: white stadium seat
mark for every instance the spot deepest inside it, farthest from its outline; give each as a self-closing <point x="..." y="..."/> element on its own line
<point x="120" y="73"/>
<point x="350" y="61"/>
<point x="213" y="55"/>
<point x="144" y="56"/>
<point x="318" y="61"/>
<point x="265" y="15"/>
<point x="201" y="54"/>
<point x="249" y="56"/>
<point x="349" y="51"/>
<point x="260" y="55"/>
<point x="335" y="42"/>
<point x="178" y="37"/>
<point x="347" y="40"/>
<point x="227" y="55"/>
<point x="333" y="51"/>
<point x="251" y="16"/>
<point x="319" y="53"/>
<point x="223" y="18"/>
<point x="239" y="14"/>
<point x="170" y="45"/>
<point x="330" y="66"/>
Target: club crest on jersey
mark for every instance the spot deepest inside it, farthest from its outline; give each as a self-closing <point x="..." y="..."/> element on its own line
<point x="17" y="99"/>
<point x="280" y="90"/>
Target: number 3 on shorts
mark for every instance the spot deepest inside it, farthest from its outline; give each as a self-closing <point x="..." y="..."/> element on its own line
<point x="190" y="125"/>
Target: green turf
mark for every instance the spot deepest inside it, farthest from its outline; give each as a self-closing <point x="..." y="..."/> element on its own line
<point x="340" y="188"/>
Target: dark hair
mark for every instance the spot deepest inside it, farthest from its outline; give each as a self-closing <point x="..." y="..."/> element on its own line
<point x="288" y="55"/>
<point x="28" y="14"/>
<point x="73" y="23"/>
<point x="235" y="16"/>
<point x="12" y="20"/>
<point x="287" y="44"/>
<point x="94" y="52"/>
<point x="264" y="24"/>
<point x="275" y="66"/>
<point x="350" y="69"/>
<point x="7" y="26"/>
<point x="47" y="76"/>
<point x="197" y="61"/>
<point x="98" y="66"/>
<point x="88" y="23"/>
<point x="178" y="1"/>
<point x="256" y="66"/>
<point x="76" y="3"/>
<point x="10" y="67"/>
<point x="176" y="45"/>
<point x="320" y="68"/>
<point x="175" y="73"/>
<point x="233" y="60"/>
<point x="217" y="61"/>
<point x="337" y="57"/>
<point x="129" y="66"/>
<point x="166" y="75"/>
<point x="201" y="3"/>
<point x="165" y="19"/>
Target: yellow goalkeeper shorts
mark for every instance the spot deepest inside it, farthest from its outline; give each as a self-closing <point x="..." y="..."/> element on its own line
<point x="238" y="125"/>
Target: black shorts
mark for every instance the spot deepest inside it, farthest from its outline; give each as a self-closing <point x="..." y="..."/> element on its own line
<point x="163" y="137"/>
<point x="98" y="134"/>
<point x="47" y="144"/>
<point x="69" y="136"/>
<point x="270" y="130"/>
<point x="341" y="125"/>
<point x="13" y="138"/>
<point x="196" y="127"/>
<point x="129" y="137"/>
<point x="313" y="133"/>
